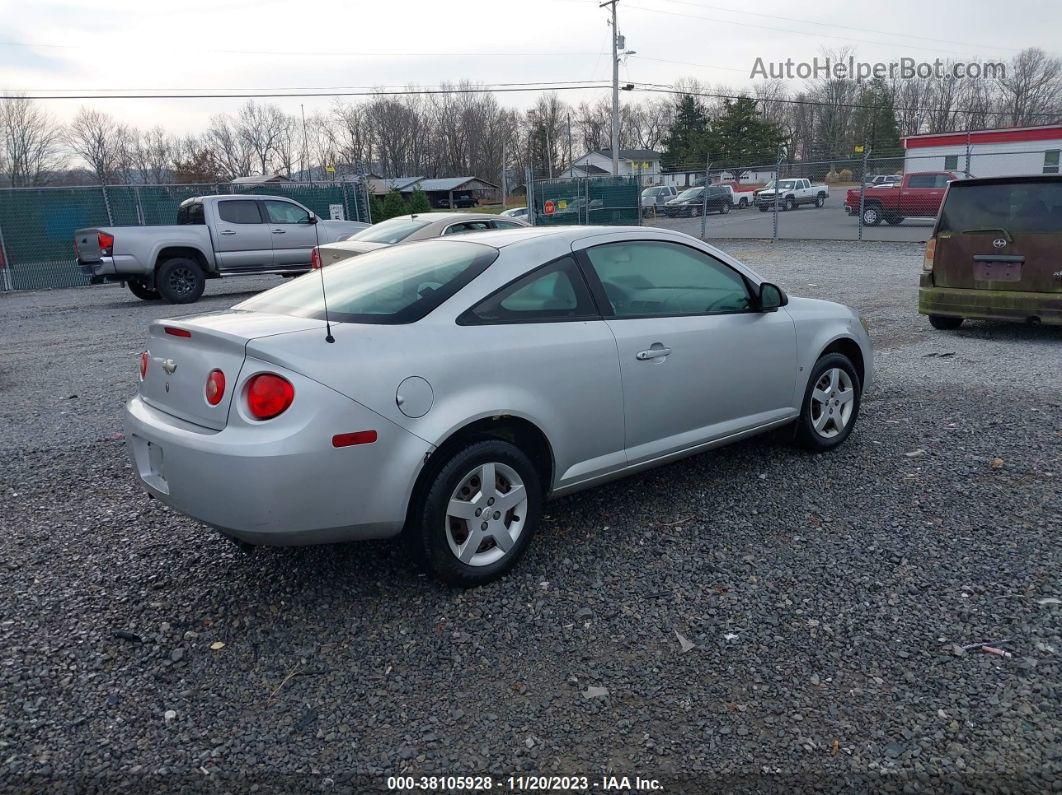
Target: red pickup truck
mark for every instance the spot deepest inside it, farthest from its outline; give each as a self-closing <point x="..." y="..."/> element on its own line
<point x="917" y="196"/>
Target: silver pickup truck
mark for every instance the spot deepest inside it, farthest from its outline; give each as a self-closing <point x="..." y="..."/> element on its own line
<point x="214" y="236"/>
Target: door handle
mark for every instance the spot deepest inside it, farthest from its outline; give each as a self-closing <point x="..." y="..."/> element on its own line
<point x="227" y="232"/>
<point x="278" y="232"/>
<point x="653" y="353"/>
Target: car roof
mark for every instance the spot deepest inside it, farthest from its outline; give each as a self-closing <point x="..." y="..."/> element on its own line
<point x="1009" y="180"/>
<point x="438" y="218"/>
<point x="566" y="234"/>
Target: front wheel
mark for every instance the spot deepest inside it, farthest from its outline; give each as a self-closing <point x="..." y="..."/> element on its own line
<point x="831" y="403"/>
<point x="943" y="323"/>
<point x="180" y="281"/>
<point x="743" y="204"/>
<point x="820" y="200"/>
<point x="142" y="290"/>
<point x="477" y="515"/>
<point x="789" y="203"/>
<point x="724" y="208"/>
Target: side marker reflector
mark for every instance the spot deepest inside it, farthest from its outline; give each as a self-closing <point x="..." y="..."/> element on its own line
<point x="350" y="439"/>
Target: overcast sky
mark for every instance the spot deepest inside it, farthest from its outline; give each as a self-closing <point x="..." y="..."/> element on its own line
<point x="85" y="46"/>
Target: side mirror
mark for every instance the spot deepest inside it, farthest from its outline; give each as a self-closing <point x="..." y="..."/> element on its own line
<point x="771" y="297"/>
<point x="312" y="219"/>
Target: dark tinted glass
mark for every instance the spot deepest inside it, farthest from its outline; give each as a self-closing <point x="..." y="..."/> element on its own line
<point x="1017" y="207"/>
<point x="240" y="211"/>
<point x="190" y="214"/>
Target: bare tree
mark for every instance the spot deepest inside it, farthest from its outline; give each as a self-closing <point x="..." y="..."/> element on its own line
<point x="230" y="152"/>
<point x="102" y="143"/>
<point x="154" y="155"/>
<point x="1031" y="89"/>
<point x="30" y="142"/>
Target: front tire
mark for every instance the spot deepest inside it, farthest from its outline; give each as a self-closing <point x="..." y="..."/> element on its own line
<point x="743" y="204"/>
<point x="944" y="323"/>
<point x="789" y="203"/>
<point x="831" y="404"/>
<point x="142" y="290"/>
<point x="468" y="531"/>
<point x="724" y="208"/>
<point x="820" y="200"/>
<point x="180" y="281"/>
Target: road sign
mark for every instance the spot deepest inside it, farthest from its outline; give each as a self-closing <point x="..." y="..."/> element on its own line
<point x="549" y="207"/>
<point x="335" y="212"/>
<point x="330" y="169"/>
<point x="858" y="150"/>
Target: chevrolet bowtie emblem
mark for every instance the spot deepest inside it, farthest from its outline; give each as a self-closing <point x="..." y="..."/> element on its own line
<point x="169" y="365"/>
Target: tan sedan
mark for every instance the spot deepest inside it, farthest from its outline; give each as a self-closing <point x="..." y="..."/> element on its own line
<point x="408" y="228"/>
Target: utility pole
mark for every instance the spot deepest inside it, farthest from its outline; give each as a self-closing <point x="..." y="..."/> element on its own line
<point x="305" y="165"/>
<point x="615" y="87"/>
<point x="504" y="180"/>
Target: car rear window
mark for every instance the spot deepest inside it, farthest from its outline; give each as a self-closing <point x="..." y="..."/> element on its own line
<point x="393" y="231"/>
<point x="388" y="286"/>
<point x="190" y="214"/>
<point x="1017" y="207"/>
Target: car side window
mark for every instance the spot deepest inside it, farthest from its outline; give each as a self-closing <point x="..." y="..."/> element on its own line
<point x="286" y="213"/>
<point x="657" y="279"/>
<point x="941" y="181"/>
<point x="554" y="292"/>
<point x="467" y="226"/>
<point x="505" y="225"/>
<point x="921" y="181"/>
<point x="239" y="211"/>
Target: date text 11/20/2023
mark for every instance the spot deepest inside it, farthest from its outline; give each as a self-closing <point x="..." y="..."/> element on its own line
<point x="524" y="783"/>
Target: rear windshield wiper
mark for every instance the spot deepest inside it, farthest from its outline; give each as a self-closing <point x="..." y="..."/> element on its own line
<point x="1006" y="234"/>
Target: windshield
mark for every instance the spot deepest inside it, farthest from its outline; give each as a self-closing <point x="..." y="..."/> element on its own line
<point x="692" y="193"/>
<point x="392" y="285"/>
<point x="393" y="231"/>
<point x="1018" y="207"/>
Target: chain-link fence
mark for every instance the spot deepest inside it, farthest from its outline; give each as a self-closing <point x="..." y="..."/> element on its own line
<point x="37" y="224"/>
<point x="862" y="197"/>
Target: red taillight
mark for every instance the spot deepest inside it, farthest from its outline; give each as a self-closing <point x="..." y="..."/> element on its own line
<point x="106" y="243"/>
<point x="143" y="365"/>
<point x="269" y="395"/>
<point x="315" y="259"/>
<point x="177" y="332"/>
<point x="215" y="387"/>
<point x="349" y="439"/>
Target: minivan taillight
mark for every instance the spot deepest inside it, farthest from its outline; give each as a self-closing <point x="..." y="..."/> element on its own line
<point x="215" y="387"/>
<point x="315" y="259"/>
<point x="931" y="250"/>
<point x="143" y="365"/>
<point x="106" y="243"/>
<point x="268" y="396"/>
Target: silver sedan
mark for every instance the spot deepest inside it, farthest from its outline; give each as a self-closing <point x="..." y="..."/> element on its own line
<point x="453" y="385"/>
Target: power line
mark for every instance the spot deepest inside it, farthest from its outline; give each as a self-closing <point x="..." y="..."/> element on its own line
<point x="283" y="88"/>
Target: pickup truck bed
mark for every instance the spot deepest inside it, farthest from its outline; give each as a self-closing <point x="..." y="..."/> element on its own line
<point x="214" y="236"/>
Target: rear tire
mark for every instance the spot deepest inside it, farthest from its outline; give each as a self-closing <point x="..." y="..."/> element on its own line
<point x="943" y="323"/>
<point x="724" y="208"/>
<point x="743" y="204"/>
<point x="872" y="215"/>
<point x="438" y="535"/>
<point x="831" y="404"/>
<point x="142" y="290"/>
<point x="820" y="200"/>
<point x="180" y="281"/>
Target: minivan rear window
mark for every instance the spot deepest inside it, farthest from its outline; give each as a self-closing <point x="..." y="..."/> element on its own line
<point x="1019" y="207"/>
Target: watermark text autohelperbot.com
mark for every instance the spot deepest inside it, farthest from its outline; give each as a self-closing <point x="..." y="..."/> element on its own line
<point x="851" y="69"/>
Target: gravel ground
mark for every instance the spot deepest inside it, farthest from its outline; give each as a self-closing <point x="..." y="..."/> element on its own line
<point x="824" y="599"/>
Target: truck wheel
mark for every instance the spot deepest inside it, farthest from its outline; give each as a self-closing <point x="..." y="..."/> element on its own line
<point x="180" y="281"/>
<point x="142" y="290"/>
<point x="724" y="208"/>
<point x="743" y="203"/>
<point x="942" y="323"/>
<point x="789" y="203"/>
<point x="820" y="200"/>
<point x="872" y="215"/>
<point x="896" y="219"/>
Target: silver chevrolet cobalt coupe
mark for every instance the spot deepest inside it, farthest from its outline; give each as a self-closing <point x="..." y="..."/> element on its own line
<point x="453" y="385"/>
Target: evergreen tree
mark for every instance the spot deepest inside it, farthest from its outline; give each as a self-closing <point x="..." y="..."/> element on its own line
<point x="874" y="121"/>
<point x="376" y="209"/>
<point x="418" y="202"/>
<point x="686" y="141"/>
<point x="393" y="205"/>
<point x="742" y="137"/>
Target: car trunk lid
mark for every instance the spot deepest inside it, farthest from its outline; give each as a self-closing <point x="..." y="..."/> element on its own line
<point x="183" y="353"/>
<point x="1001" y="234"/>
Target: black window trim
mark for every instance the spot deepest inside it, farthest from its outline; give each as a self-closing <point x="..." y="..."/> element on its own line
<point x="469" y="318"/>
<point x="597" y="289"/>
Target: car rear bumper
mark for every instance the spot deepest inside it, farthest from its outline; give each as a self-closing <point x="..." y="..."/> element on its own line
<point x="284" y="484"/>
<point x="110" y="268"/>
<point x="991" y="304"/>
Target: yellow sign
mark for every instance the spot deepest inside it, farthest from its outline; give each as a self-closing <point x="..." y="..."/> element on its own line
<point x="858" y="150"/>
<point x="330" y="169"/>
<point x="562" y="203"/>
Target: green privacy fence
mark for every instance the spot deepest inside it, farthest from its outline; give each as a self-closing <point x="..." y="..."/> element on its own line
<point x="587" y="200"/>
<point x="37" y="224"/>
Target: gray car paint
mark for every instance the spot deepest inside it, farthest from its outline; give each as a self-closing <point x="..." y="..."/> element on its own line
<point x="604" y="413"/>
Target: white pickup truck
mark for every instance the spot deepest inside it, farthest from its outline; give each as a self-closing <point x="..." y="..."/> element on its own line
<point x="214" y="236"/>
<point x="791" y="193"/>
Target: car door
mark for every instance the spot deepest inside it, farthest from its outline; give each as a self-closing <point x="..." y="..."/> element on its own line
<point x="544" y="337"/>
<point x="699" y="361"/>
<point x="922" y="195"/>
<point x="293" y="235"/>
<point x="241" y="236"/>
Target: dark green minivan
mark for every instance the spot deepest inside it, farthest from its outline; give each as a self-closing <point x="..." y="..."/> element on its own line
<point x="995" y="253"/>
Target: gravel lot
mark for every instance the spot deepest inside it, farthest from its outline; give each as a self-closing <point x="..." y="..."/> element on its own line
<point x="827" y="597"/>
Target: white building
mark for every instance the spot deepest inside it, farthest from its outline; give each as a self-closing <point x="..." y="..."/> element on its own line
<point x="631" y="161"/>
<point x="1018" y="151"/>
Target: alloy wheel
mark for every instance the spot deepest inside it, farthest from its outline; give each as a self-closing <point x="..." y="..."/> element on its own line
<point x="182" y="280"/>
<point x="486" y="514"/>
<point x="832" y="402"/>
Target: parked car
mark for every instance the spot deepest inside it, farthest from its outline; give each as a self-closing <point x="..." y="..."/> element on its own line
<point x="408" y="229"/>
<point x="473" y="377"/>
<point x="994" y="253"/>
<point x="214" y="236"/>
<point x="654" y="198"/>
<point x="515" y="212"/>
<point x="791" y="194"/>
<point x="917" y="196"/>
<point x="461" y="200"/>
<point x="691" y="202"/>
<point x="884" y="180"/>
<point x="740" y="197"/>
